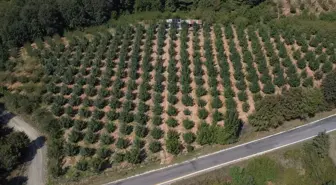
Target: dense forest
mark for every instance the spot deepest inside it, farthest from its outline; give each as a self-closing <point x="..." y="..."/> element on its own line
<point x="23" y="21"/>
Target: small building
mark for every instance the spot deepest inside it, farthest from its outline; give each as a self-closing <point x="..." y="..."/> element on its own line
<point x="178" y="22"/>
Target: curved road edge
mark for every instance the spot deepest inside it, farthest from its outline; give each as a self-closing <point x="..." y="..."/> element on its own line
<point x="37" y="149"/>
<point x="209" y="162"/>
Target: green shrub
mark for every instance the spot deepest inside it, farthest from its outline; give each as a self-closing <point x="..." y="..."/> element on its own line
<point x="95" y="125"/>
<point x="133" y="156"/>
<point x="106" y="139"/>
<point x="82" y="165"/>
<point x="206" y="134"/>
<point x="187" y="100"/>
<point x="246" y="107"/>
<point x="202" y="113"/>
<point x="122" y="143"/>
<point x="189" y="137"/>
<point x="110" y="127"/>
<point x="141" y="131"/>
<point x="156" y="133"/>
<point x="329" y="88"/>
<point x="80" y="125"/>
<point x="87" y="152"/>
<point x="216" y="103"/>
<point x="273" y="110"/>
<point x="172" y="122"/>
<point x="187" y="112"/>
<point x="75" y="136"/>
<point x="217" y="116"/>
<point x="173" y="143"/>
<point x="157" y="120"/>
<point x="103" y="153"/>
<point x="263" y="170"/>
<point x="125" y="128"/>
<point x="172" y="111"/>
<point x="71" y="149"/>
<point x="90" y="137"/>
<point x="155" y="146"/>
<point x="188" y="124"/>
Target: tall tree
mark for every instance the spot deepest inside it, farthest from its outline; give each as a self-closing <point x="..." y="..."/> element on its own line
<point x="51" y="19"/>
<point x="329" y="88"/>
<point x="171" y="5"/>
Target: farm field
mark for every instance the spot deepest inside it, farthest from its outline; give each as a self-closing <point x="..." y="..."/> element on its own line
<point x="143" y="92"/>
<point x="293" y="7"/>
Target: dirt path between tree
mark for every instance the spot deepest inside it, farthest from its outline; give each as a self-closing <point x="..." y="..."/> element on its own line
<point x="37" y="151"/>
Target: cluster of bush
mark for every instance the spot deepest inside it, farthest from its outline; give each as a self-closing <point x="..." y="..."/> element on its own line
<point x="13" y="149"/>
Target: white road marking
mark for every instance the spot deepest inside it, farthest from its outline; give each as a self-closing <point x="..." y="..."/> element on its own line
<point x="235" y="161"/>
<point x="193" y="159"/>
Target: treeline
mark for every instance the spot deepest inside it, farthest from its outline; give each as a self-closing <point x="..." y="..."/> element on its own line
<point x="295" y="103"/>
<point x="23" y="21"/>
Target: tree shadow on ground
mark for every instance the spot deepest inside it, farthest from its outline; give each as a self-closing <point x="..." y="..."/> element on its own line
<point x="19" y="180"/>
<point x="33" y="147"/>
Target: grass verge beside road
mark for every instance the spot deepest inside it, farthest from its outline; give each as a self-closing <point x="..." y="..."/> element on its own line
<point x="288" y="164"/>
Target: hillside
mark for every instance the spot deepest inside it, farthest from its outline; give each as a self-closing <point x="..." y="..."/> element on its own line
<point x="144" y="91"/>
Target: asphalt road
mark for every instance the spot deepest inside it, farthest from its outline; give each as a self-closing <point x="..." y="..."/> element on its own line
<point x="37" y="151"/>
<point x="210" y="162"/>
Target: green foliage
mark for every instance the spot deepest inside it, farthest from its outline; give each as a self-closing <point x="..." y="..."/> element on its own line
<point x="188" y="124"/>
<point x="327" y="67"/>
<point x="122" y="143"/>
<point x="230" y="133"/>
<point x="110" y="127"/>
<point x="316" y="160"/>
<point x="269" y="88"/>
<point x="155" y="146"/>
<point x="75" y="136"/>
<point x="71" y="149"/>
<point x="173" y="143"/>
<point x="216" y="103"/>
<point x="133" y="156"/>
<point x="263" y="170"/>
<point x="246" y="107"/>
<point x="157" y="133"/>
<point x="141" y="131"/>
<point x="125" y="128"/>
<point x="187" y="112"/>
<point x="157" y="120"/>
<point x="103" y="153"/>
<point x="240" y="177"/>
<point x="172" y="111"/>
<point x="172" y="122"/>
<point x="329" y="88"/>
<point x="205" y="134"/>
<point x="119" y="157"/>
<point x="189" y="137"/>
<point x="87" y="152"/>
<point x="202" y="113"/>
<point x="106" y="139"/>
<point x="90" y="137"/>
<point x="308" y="82"/>
<point x="12" y="149"/>
<point x="96" y="164"/>
<point x="187" y="100"/>
<point x="295" y="103"/>
<point x="82" y="165"/>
